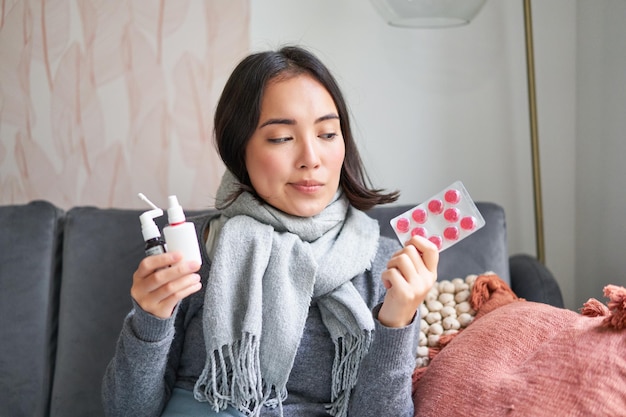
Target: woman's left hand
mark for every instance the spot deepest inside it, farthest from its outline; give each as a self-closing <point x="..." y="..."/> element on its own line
<point x="410" y="274"/>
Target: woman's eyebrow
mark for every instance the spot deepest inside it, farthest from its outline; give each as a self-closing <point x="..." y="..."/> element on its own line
<point x="329" y="116"/>
<point x="290" y="122"/>
<point x="278" y="122"/>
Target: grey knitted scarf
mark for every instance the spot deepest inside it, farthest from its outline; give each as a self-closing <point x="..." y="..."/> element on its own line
<point x="267" y="268"/>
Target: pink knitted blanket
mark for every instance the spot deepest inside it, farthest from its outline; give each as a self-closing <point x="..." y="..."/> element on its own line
<point x="521" y="358"/>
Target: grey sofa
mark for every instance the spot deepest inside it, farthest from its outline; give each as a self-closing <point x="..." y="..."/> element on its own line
<point x="65" y="278"/>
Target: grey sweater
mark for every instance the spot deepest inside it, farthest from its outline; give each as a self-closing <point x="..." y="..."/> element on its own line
<point x="154" y="355"/>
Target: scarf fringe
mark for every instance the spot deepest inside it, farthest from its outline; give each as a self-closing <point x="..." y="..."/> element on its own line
<point x="349" y="352"/>
<point x="232" y="376"/>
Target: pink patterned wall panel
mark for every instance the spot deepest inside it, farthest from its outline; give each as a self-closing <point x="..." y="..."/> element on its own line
<point x="102" y="99"/>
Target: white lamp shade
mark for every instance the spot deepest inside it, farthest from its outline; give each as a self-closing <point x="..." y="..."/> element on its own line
<point x="428" y="13"/>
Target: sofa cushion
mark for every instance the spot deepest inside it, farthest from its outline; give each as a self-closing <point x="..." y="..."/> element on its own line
<point x="485" y="250"/>
<point x="102" y="248"/>
<point x="29" y="269"/>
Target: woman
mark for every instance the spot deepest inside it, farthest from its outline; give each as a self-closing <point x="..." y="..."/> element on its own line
<point x="300" y="308"/>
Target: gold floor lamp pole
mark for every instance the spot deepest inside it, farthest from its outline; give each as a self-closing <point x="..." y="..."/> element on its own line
<point x="534" y="136"/>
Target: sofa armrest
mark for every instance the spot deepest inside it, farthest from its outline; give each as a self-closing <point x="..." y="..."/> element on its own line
<point x="30" y="245"/>
<point x="531" y="280"/>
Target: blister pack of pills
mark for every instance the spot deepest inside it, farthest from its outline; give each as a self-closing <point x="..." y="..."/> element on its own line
<point x="445" y="219"/>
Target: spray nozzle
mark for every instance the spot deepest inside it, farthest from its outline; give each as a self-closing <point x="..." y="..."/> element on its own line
<point x="149" y="229"/>
<point x="175" y="213"/>
<point x="148" y="217"/>
<point x="142" y="197"/>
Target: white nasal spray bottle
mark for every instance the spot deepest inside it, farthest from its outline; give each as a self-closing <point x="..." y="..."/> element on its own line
<point x="180" y="235"/>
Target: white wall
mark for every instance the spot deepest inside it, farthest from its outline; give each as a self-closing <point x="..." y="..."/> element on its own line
<point x="432" y="106"/>
<point x="601" y="148"/>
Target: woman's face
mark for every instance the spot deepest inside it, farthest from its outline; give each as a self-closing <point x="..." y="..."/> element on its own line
<point x="295" y="155"/>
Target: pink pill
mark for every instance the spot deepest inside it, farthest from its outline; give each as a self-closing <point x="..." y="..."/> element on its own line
<point x="420" y="231"/>
<point x="452" y="196"/>
<point x="402" y="225"/>
<point x="452" y="214"/>
<point x="419" y="215"/>
<point x="451" y="233"/>
<point x="436" y="240"/>
<point x="468" y="223"/>
<point x="435" y="206"/>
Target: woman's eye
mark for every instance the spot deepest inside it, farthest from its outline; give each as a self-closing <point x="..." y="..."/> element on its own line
<point x="328" y="136"/>
<point x="279" y="140"/>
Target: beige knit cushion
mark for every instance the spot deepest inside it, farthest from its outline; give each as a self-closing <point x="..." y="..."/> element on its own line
<point x="445" y="311"/>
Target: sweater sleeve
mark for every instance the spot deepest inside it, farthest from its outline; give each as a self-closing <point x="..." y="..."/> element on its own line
<point x="384" y="386"/>
<point x="139" y="379"/>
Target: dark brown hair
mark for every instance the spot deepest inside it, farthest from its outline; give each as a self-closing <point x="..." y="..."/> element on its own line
<point x="239" y="108"/>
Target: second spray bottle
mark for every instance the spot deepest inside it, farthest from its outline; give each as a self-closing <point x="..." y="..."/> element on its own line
<point x="180" y="235"/>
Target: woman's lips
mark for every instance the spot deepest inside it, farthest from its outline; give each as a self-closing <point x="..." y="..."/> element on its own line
<point x="307" y="186"/>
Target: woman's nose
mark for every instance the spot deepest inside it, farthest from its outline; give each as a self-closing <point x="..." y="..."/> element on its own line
<point x="309" y="154"/>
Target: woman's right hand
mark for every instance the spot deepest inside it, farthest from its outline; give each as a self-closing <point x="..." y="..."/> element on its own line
<point x="161" y="281"/>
